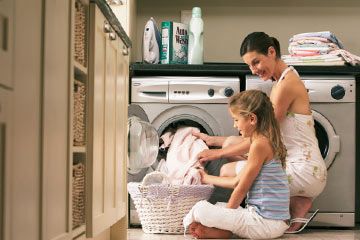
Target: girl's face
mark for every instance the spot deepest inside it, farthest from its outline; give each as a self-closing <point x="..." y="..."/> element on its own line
<point x="260" y="64"/>
<point x="244" y="123"/>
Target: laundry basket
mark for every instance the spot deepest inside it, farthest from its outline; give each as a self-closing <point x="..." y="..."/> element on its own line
<point x="162" y="207"/>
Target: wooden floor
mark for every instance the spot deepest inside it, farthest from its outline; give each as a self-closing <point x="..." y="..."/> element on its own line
<point x="308" y="234"/>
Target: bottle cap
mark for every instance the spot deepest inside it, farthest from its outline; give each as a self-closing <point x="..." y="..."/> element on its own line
<point x="196" y="12"/>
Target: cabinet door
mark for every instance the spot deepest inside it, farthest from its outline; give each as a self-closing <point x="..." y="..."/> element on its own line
<point x="121" y="128"/>
<point x="5" y="168"/>
<point x="6" y="41"/>
<point x="103" y="208"/>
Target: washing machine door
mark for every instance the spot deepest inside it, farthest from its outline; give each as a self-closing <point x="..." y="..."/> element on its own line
<point x="329" y="141"/>
<point x="143" y="141"/>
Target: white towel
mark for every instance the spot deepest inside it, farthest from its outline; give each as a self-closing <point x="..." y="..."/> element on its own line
<point x="181" y="159"/>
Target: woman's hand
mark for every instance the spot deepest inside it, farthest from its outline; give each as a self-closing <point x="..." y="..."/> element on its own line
<point x="209" y="155"/>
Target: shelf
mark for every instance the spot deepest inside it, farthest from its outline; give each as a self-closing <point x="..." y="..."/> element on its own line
<point x="79" y="149"/>
<point x="228" y="69"/>
<point x="80" y="71"/>
<point x="78" y="231"/>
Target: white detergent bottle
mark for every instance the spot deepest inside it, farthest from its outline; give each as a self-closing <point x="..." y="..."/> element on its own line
<point x="196" y="38"/>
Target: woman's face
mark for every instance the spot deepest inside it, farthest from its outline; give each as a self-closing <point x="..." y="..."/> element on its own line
<point x="243" y="123"/>
<point x="260" y="64"/>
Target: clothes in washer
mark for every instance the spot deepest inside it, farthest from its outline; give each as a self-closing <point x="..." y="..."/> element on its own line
<point x="181" y="160"/>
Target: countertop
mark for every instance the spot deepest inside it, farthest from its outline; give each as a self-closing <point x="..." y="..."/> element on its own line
<point x="228" y="69"/>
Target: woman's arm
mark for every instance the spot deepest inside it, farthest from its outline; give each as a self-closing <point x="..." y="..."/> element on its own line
<point x="258" y="154"/>
<point x="281" y="99"/>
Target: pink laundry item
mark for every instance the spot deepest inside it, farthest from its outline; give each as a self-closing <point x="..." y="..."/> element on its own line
<point x="167" y="138"/>
<point x="181" y="159"/>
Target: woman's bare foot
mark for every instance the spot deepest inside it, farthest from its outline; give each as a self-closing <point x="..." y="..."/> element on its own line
<point x="299" y="207"/>
<point x="198" y="230"/>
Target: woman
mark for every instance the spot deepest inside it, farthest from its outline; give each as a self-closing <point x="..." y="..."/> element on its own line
<point x="305" y="166"/>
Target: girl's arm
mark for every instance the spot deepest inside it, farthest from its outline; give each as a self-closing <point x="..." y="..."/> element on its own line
<point x="227" y="152"/>
<point x="233" y="182"/>
<point x="258" y="154"/>
<point x="216" y="141"/>
<point x="225" y="182"/>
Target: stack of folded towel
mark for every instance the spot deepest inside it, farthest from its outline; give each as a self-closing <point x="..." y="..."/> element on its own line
<point x="318" y="48"/>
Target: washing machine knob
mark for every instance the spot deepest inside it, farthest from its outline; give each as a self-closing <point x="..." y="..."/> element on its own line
<point x="338" y="92"/>
<point x="228" y="91"/>
<point x="211" y="92"/>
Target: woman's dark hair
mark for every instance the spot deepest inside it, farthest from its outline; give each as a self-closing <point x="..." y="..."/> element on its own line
<point x="259" y="42"/>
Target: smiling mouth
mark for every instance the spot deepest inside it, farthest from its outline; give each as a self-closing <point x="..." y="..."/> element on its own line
<point x="261" y="75"/>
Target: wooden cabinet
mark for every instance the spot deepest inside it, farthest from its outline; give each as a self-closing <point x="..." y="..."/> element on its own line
<point x="107" y="107"/>
<point x="84" y="123"/>
<point x="5" y="151"/>
<point x="44" y="136"/>
<point x="6" y="42"/>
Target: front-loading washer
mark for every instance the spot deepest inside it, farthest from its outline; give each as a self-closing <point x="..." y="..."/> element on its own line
<point x="200" y="102"/>
<point x="332" y="99"/>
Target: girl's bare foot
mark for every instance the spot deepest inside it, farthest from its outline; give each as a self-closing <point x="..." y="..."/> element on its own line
<point x="200" y="231"/>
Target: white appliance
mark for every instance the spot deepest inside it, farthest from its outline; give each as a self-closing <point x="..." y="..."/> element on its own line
<point x="194" y="101"/>
<point x="332" y="101"/>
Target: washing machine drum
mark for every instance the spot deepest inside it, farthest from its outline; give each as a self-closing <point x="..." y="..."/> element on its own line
<point x="143" y="145"/>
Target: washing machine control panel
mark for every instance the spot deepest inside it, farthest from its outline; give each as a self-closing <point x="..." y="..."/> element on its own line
<point x="321" y="88"/>
<point x="183" y="89"/>
<point x="331" y="90"/>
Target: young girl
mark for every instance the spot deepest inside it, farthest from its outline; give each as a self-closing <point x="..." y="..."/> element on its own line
<point x="262" y="178"/>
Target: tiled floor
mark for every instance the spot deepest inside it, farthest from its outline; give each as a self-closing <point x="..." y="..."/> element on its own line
<point x="308" y="234"/>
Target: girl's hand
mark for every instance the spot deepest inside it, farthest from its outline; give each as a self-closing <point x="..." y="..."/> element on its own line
<point x="203" y="136"/>
<point x="203" y="175"/>
<point x="209" y="155"/>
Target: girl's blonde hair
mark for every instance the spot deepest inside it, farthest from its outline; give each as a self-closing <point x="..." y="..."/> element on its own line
<point x="258" y="103"/>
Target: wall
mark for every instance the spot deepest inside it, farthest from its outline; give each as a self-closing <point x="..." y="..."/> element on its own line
<point x="227" y="22"/>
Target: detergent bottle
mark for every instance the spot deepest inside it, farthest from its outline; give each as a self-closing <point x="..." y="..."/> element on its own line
<point x="196" y="33"/>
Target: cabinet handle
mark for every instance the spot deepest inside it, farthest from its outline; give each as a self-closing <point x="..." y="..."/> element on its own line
<point x="107" y="27"/>
<point x="4" y="34"/>
<point x="125" y="51"/>
<point x="112" y="36"/>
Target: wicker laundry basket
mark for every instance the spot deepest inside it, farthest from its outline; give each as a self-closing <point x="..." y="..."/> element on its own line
<point x="78" y="197"/>
<point x="79" y="113"/>
<point x="80" y="51"/>
<point x="162" y="207"/>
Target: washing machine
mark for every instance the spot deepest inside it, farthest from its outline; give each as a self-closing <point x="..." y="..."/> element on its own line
<point x="167" y="102"/>
<point x="332" y="100"/>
